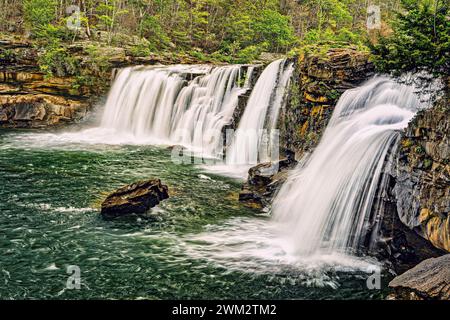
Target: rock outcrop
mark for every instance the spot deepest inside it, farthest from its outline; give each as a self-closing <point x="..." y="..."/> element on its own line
<point x="136" y="198"/>
<point x="317" y="84"/>
<point x="77" y="84"/>
<point x="39" y="110"/>
<point x="429" y="280"/>
<point x="28" y="99"/>
<point x="264" y="181"/>
<point x="422" y="174"/>
<point x="411" y="212"/>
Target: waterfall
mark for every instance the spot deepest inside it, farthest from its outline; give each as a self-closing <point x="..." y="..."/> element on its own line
<point x="326" y="202"/>
<point x="250" y="144"/>
<point x="190" y="105"/>
<point x="164" y="105"/>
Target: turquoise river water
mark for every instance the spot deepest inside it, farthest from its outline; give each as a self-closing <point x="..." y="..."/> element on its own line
<point x="203" y="243"/>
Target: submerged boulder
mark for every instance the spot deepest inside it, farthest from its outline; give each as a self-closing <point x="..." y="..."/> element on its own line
<point x="136" y="198"/>
<point x="429" y="280"/>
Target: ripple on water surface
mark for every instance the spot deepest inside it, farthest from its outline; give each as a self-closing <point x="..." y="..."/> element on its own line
<point x="206" y="245"/>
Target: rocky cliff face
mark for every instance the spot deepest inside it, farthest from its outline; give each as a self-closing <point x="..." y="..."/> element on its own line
<point x="411" y="213"/>
<point x="39" y="110"/>
<point x="28" y="98"/>
<point x="422" y="175"/>
<point x="136" y="198"/>
<point x="413" y="205"/>
<point x="390" y="240"/>
<point x="245" y="96"/>
<point x="318" y="82"/>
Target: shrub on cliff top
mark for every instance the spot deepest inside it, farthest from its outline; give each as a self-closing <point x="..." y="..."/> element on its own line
<point x="56" y="61"/>
<point x="38" y="14"/>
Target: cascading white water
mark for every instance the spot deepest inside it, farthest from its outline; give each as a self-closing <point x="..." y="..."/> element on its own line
<point x="204" y="108"/>
<point x="261" y="113"/>
<point x="160" y="104"/>
<point x="326" y="202"/>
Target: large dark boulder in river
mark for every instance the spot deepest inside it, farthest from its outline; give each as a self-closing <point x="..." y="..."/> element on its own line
<point x="429" y="280"/>
<point x="136" y="198"/>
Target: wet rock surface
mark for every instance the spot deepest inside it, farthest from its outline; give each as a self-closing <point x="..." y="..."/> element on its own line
<point x="411" y="212"/>
<point x="29" y="99"/>
<point x="264" y="181"/>
<point x="422" y="175"/>
<point x="400" y="247"/>
<point x="243" y="98"/>
<point x="429" y="280"/>
<point x="136" y="198"/>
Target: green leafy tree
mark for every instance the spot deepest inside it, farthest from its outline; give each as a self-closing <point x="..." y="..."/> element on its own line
<point x="38" y="14"/>
<point x="273" y="28"/>
<point x="108" y="13"/>
<point x="151" y="29"/>
<point x="420" y="39"/>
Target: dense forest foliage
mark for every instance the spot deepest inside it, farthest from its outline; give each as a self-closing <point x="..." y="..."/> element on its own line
<point x="420" y="39"/>
<point x="412" y="33"/>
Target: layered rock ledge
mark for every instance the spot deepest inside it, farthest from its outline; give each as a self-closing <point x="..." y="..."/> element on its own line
<point x="317" y="84"/>
<point x="411" y="213"/>
<point x="264" y="181"/>
<point x="39" y="110"/>
<point x="412" y="209"/>
<point x="28" y="98"/>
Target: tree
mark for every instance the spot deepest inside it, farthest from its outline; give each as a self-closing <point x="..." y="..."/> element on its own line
<point x="11" y="15"/>
<point x="109" y="11"/>
<point x="38" y="14"/>
<point x="420" y="39"/>
<point x="273" y="28"/>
